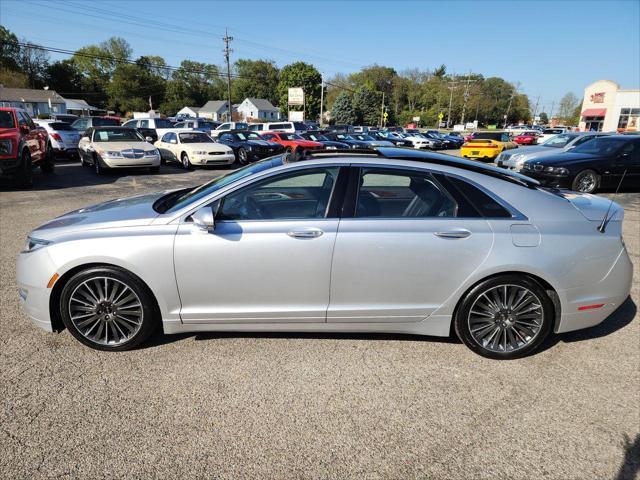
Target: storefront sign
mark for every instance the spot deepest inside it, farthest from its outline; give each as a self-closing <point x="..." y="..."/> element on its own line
<point x="597" y="97"/>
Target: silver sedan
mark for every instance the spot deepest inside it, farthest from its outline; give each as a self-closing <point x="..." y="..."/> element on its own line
<point x="400" y="241"/>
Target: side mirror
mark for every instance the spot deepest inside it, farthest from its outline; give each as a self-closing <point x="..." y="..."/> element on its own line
<point x="204" y="219"/>
<point x="24" y="129"/>
<point x="148" y="139"/>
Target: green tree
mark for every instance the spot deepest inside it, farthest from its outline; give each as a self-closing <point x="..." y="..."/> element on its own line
<point x="568" y="104"/>
<point x="544" y="118"/>
<point x="132" y="85"/>
<point x="304" y="75"/>
<point x="32" y="62"/>
<point x="343" y="111"/>
<point x="13" y="78"/>
<point x="63" y="77"/>
<point x="9" y="50"/>
<point x="193" y="84"/>
<point x="367" y="105"/>
<point x="257" y="79"/>
<point x="441" y="71"/>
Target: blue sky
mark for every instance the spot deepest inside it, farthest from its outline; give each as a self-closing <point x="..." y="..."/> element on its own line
<point x="550" y="47"/>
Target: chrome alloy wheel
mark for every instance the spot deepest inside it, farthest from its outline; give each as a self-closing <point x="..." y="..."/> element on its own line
<point x="105" y="310"/>
<point x="505" y="318"/>
<point x="587" y="183"/>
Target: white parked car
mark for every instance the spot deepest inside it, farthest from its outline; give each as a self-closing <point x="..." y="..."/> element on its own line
<point x="199" y="124"/>
<point x="547" y="133"/>
<point x="225" y="127"/>
<point x="193" y="148"/>
<point x="287" y="127"/>
<point x="62" y="137"/>
<point x="419" y="142"/>
<point x="160" y="125"/>
<point x="105" y="148"/>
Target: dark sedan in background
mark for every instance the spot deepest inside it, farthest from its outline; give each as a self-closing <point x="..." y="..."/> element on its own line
<point x="348" y="139"/>
<point x="396" y="140"/>
<point x="315" y="136"/>
<point x="598" y="163"/>
<point x="249" y="146"/>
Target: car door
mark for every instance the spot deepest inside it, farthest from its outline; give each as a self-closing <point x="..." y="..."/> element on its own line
<point x="165" y="147"/>
<point x="626" y="162"/>
<point x="30" y="135"/>
<point x="268" y="259"/>
<point x="404" y="245"/>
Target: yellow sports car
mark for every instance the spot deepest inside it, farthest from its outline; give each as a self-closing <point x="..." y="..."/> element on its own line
<point x="486" y="145"/>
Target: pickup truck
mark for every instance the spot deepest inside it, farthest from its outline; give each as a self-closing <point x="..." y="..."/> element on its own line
<point x="22" y="145"/>
<point x="160" y="125"/>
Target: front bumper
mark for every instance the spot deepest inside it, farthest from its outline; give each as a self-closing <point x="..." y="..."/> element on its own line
<point x="549" y="179"/>
<point x="8" y="165"/>
<point x="34" y="270"/>
<point x="111" y="162"/>
<point x="612" y="290"/>
<point x="217" y="159"/>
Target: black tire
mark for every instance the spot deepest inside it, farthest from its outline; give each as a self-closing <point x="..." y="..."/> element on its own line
<point x="502" y="324"/>
<point x="24" y="176"/>
<point x="186" y="163"/>
<point x="243" y="156"/>
<point x="587" y="181"/>
<point x="83" y="162"/>
<point x="98" y="167"/>
<point x="47" y="165"/>
<point x="148" y="321"/>
<point x="154" y="169"/>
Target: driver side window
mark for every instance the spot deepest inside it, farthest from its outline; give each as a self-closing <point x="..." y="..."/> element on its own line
<point x="298" y="195"/>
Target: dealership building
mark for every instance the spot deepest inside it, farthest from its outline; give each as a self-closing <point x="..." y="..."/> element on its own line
<point x="608" y="108"/>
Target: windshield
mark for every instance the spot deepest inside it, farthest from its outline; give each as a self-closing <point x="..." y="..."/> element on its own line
<point x="60" y="126"/>
<point x="163" y="123"/>
<point x="105" y="122"/>
<point x="363" y="137"/>
<point x="117" y="135"/>
<point x="313" y="137"/>
<point x="242" y="126"/>
<point x="208" y="125"/>
<point x="194" y="137"/>
<point x="175" y="202"/>
<point x="600" y="146"/>
<point x="300" y="126"/>
<point x="559" y="141"/>
<point x="6" y="119"/>
<point x="291" y="136"/>
<point x="249" y="136"/>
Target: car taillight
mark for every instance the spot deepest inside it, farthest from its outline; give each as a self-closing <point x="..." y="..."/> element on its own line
<point x="56" y="136"/>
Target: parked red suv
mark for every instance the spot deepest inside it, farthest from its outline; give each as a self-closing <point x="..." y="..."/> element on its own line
<point x="22" y="145"/>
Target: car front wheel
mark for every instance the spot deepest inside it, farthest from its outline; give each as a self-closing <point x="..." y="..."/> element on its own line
<point x="243" y="156"/>
<point x="186" y="163"/>
<point x="107" y="308"/>
<point x="586" y="181"/>
<point x="505" y="317"/>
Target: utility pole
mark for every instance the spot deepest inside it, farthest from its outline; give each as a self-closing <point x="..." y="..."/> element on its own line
<point x="452" y="86"/>
<point x="466" y="97"/>
<point x="506" y="117"/>
<point x="535" y="110"/>
<point x="321" y="97"/>
<point x="227" y="39"/>
<point x="553" y="104"/>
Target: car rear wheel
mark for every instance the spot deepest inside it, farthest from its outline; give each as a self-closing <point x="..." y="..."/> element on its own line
<point x="586" y="181"/>
<point x="505" y="317"/>
<point x="24" y="175"/>
<point x="107" y="308"/>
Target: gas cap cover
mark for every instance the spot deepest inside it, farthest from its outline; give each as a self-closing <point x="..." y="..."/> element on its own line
<point x="525" y="235"/>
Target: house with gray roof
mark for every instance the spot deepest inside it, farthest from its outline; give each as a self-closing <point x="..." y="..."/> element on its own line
<point x="258" y="109"/>
<point x="32" y="100"/>
<point x="216" y="110"/>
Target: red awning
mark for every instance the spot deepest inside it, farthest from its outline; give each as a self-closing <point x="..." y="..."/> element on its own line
<point x="594" y="112"/>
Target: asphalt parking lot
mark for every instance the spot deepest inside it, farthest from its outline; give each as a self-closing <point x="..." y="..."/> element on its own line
<point x="303" y="405"/>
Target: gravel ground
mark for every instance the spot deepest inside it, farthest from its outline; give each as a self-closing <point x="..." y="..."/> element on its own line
<point x="304" y="405"/>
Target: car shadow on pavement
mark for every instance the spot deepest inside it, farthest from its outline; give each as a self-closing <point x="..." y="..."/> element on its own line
<point x="620" y="318"/>
<point x="631" y="462"/>
<point x="71" y="174"/>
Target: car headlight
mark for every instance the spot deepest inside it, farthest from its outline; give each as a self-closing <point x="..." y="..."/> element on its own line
<point x="34" y="244"/>
<point x="199" y="152"/>
<point x="526" y="166"/>
<point x="557" y="170"/>
<point x="516" y="156"/>
<point x="6" y="147"/>
<point x="330" y="147"/>
<point x="152" y="153"/>
<point x="112" y="154"/>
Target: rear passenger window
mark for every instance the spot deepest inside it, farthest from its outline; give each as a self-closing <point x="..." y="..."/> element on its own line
<point x="478" y="200"/>
<point x="402" y="194"/>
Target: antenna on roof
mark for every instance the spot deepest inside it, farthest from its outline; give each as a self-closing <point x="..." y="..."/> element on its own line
<point x="605" y="220"/>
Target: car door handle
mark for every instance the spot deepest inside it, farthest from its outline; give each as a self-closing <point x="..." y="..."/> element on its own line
<point x="306" y="233"/>
<point x="453" y="234"/>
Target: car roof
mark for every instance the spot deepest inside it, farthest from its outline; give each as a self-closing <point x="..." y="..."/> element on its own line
<point x="112" y="127"/>
<point x="382" y="155"/>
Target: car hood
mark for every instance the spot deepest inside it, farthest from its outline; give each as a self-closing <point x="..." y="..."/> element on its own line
<point x="261" y="143"/>
<point x="565" y="158"/>
<point x="333" y="143"/>
<point x="119" y="146"/>
<point x="122" y="212"/>
<point x="306" y="143"/>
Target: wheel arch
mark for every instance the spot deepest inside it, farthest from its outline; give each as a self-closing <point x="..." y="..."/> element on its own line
<point x="58" y="287"/>
<point x="551" y="291"/>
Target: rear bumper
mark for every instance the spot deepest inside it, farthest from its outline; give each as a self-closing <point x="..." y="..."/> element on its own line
<point x="611" y="291"/>
<point x="479" y="153"/>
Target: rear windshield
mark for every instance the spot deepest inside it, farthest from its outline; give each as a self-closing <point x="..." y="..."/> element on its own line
<point x="105" y="122"/>
<point x="6" y="119"/>
<point x="163" y="123"/>
<point x="559" y="141"/>
<point x="117" y="135"/>
<point x="60" y="126"/>
<point x="488" y="136"/>
<point x="552" y="131"/>
<point x="300" y="126"/>
<point x="208" y="125"/>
